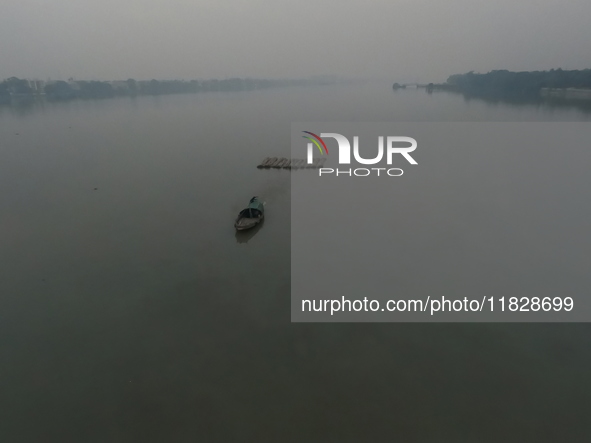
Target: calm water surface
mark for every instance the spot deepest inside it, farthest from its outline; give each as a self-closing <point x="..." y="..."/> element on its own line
<point x="131" y="311"/>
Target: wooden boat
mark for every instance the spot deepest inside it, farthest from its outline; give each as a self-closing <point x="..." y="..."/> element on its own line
<point x="251" y="216"/>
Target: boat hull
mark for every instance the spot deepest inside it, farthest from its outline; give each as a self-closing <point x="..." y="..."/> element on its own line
<point x="243" y="223"/>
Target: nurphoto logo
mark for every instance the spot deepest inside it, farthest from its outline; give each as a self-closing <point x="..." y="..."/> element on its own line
<point x="394" y="145"/>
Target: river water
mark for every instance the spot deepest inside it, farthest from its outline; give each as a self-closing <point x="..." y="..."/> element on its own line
<point x="131" y="311"/>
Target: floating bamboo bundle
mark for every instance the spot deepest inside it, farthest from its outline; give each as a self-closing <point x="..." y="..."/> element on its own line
<point x="290" y="163"/>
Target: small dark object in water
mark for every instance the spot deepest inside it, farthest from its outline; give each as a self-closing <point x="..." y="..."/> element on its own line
<point x="251" y="216"/>
<point x="95" y="189"/>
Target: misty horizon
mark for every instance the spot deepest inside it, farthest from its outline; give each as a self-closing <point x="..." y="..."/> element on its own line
<point x="303" y="78"/>
<point x="410" y="42"/>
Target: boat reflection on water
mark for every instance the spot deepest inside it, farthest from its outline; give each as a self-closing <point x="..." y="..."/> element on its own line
<point x="246" y="235"/>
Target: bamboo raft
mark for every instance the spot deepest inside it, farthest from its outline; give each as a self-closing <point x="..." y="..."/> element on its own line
<point x="290" y="163"/>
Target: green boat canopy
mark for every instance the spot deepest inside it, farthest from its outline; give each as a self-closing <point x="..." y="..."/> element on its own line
<point x="256" y="204"/>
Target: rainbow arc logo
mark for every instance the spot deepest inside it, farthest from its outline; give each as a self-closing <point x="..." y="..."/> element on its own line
<point x="315" y="141"/>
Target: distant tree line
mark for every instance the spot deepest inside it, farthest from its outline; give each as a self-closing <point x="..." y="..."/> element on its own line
<point x="65" y="90"/>
<point x="13" y="86"/>
<point x="528" y="83"/>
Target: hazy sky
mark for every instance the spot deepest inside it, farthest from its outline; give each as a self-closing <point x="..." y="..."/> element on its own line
<point x="423" y="40"/>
